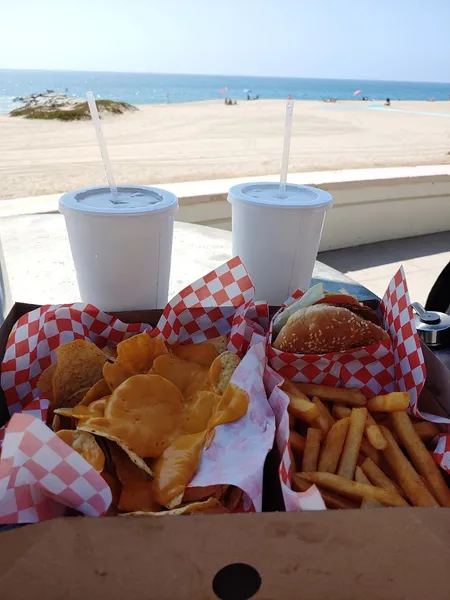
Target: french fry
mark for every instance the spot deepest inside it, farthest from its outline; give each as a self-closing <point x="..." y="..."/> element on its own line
<point x="427" y="485"/>
<point x="297" y="442"/>
<point x="352" y="489"/>
<point x="351" y="397"/>
<point x="361" y="477"/>
<point x="389" y="403"/>
<point x="405" y="473"/>
<point x="300" y="406"/>
<point x="350" y="452"/>
<point x="291" y="421"/>
<point x="371" y="503"/>
<point x="373" y="433"/>
<point x="332" y="446"/>
<point x="368" y="450"/>
<point x="426" y="431"/>
<point x="339" y="411"/>
<point x="420" y="457"/>
<point x="325" y="420"/>
<point x="331" y="500"/>
<point x="378" y="478"/>
<point x="312" y="449"/>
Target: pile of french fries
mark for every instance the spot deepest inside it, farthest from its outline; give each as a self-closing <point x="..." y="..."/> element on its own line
<point x="362" y="453"/>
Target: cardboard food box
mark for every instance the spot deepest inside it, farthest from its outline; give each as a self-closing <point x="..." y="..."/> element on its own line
<point x="344" y="555"/>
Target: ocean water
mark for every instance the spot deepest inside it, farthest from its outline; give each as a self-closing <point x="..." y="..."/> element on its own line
<point x="150" y="88"/>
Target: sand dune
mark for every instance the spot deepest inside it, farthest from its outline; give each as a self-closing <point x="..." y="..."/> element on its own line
<point x="208" y="140"/>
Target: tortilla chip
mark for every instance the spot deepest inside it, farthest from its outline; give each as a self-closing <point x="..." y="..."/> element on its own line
<point x="208" y="507"/>
<point x="198" y="410"/>
<point x="64" y="412"/>
<point x="145" y="412"/>
<point x="127" y="470"/>
<point x="116" y="488"/>
<point x="85" y="444"/>
<point x="233" y="405"/>
<point x="198" y="494"/>
<point x="201" y="354"/>
<point x="220" y="343"/>
<point x="56" y="423"/>
<point x="95" y="409"/>
<point x="175" y="468"/>
<point x="85" y="425"/>
<point x="79" y="366"/>
<point x="45" y="382"/>
<point x="135" y="356"/>
<point x="189" y="377"/>
<point x="233" y="498"/>
<point x="97" y="391"/>
<point x="110" y="353"/>
<point x="138" y="496"/>
<point x="222" y="370"/>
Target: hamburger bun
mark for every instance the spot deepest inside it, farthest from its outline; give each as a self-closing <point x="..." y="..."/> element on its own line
<point x="324" y="328"/>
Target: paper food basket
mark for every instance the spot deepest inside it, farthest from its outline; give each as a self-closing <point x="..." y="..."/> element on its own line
<point x="397" y="364"/>
<point x="40" y="475"/>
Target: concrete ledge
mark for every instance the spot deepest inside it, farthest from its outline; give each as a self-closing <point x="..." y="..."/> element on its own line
<point x="370" y="205"/>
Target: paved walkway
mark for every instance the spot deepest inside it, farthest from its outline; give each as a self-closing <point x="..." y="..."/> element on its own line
<point x="423" y="258"/>
<point x="40" y="267"/>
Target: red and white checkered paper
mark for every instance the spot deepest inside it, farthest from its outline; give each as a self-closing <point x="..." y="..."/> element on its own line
<point x="221" y="303"/>
<point x="40" y="475"/>
<point x="381" y="368"/>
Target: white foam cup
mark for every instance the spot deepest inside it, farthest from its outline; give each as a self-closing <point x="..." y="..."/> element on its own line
<point x="278" y="236"/>
<point x="122" y="252"/>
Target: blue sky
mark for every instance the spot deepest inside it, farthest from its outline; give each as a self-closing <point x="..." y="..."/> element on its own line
<point x="354" y="39"/>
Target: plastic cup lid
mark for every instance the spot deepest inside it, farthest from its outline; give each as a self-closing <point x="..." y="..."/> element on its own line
<point x="268" y="194"/>
<point x="134" y="199"/>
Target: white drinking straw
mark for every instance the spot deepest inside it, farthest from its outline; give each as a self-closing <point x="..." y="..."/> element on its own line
<point x="286" y="145"/>
<point x="102" y="145"/>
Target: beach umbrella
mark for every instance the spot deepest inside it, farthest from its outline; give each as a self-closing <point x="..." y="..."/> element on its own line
<point x="356" y="92"/>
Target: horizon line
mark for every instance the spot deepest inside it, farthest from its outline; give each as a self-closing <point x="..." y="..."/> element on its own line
<point x="222" y="75"/>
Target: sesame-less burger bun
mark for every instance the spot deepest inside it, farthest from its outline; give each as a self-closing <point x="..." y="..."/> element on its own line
<point x="324" y="328"/>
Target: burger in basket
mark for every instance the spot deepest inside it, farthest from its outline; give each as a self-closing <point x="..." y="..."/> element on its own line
<point x="321" y="322"/>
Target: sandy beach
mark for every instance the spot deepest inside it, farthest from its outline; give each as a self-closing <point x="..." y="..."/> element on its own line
<point x="208" y="140"/>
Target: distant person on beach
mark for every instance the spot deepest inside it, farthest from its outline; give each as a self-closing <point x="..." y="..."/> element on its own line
<point x="388" y="102"/>
<point x="248" y="97"/>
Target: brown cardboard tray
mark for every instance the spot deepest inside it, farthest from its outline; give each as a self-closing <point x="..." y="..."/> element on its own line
<point x="382" y="554"/>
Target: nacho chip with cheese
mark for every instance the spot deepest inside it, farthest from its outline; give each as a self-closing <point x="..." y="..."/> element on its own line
<point x="202" y="354"/>
<point x="189" y="377"/>
<point x="145" y="412"/>
<point x="97" y="391"/>
<point x="198" y="411"/>
<point x="135" y="356"/>
<point x="80" y="411"/>
<point x="85" y="444"/>
<point x="136" y="491"/>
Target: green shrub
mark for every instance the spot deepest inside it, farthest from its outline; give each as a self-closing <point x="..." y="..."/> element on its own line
<point x="77" y="112"/>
